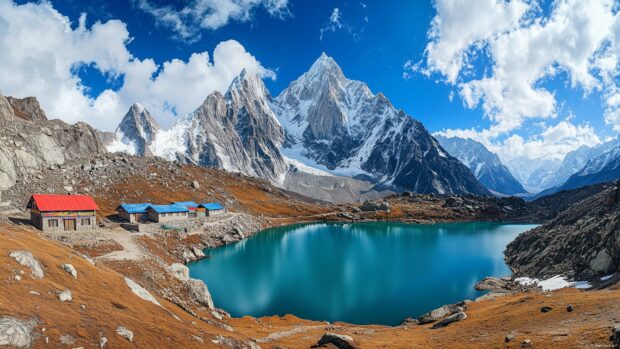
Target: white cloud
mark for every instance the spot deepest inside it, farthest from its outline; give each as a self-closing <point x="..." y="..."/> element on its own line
<point x="498" y="53"/>
<point x="333" y="24"/>
<point x="553" y="142"/>
<point x="43" y="61"/>
<point x="188" y="21"/>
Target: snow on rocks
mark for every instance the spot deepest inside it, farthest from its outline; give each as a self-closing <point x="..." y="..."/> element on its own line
<point x="125" y="333"/>
<point x="65" y="296"/>
<point x="15" y="332"/>
<point x="553" y="283"/>
<point x="26" y="258"/>
<point x="69" y="269"/>
<point x="179" y="271"/>
<point x="141" y="291"/>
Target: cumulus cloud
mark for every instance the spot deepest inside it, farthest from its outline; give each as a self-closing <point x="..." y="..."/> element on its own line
<point x="44" y="60"/>
<point x="499" y="53"/>
<point x="553" y="142"/>
<point x="187" y="22"/>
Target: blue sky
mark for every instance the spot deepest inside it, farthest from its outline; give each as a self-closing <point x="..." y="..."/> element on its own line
<point x="375" y="41"/>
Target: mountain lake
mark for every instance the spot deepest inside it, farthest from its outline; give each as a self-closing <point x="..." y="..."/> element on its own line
<point x="360" y="273"/>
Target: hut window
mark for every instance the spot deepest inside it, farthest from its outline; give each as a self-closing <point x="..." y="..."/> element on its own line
<point x="85" y="221"/>
<point x="52" y="223"/>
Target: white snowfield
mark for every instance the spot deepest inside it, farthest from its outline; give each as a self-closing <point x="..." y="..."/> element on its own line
<point x="554" y="283"/>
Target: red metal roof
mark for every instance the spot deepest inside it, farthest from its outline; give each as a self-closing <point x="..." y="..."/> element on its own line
<point x="55" y="202"/>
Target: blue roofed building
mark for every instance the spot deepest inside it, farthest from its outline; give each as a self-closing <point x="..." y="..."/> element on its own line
<point x="212" y="208"/>
<point x="133" y="213"/>
<point x="166" y="213"/>
<point x="191" y="206"/>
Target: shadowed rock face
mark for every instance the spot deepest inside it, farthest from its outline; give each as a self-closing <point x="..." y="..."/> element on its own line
<point x="27" y="108"/>
<point x="582" y="242"/>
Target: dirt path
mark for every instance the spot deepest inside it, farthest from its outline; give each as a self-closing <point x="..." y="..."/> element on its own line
<point x="131" y="249"/>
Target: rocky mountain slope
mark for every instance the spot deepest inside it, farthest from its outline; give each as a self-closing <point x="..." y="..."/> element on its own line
<point x="485" y="165"/>
<point x="339" y="125"/>
<point x="583" y="242"/>
<point x="323" y="130"/>
<point x="27" y="108"/>
<point x="27" y="145"/>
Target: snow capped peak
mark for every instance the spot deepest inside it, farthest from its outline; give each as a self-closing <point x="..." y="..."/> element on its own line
<point x="136" y="132"/>
<point x="247" y="84"/>
<point x="138" y="107"/>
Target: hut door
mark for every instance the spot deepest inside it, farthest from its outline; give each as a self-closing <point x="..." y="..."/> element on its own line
<point x="69" y="224"/>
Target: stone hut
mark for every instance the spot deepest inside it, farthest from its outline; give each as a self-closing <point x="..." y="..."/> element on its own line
<point x="166" y="213"/>
<point x="54" y="212"/>
<point x="191" y="206"/>
<point x="133" y="213"/>
<point x="212" y="208"/>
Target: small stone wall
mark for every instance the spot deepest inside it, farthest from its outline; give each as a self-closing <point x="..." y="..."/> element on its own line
<point x="151" y="227"/>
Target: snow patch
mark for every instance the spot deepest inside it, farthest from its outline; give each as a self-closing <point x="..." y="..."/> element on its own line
<point x="553" y="283"/>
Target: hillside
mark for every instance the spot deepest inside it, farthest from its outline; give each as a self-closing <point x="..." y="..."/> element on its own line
<point x="581" y="242"/>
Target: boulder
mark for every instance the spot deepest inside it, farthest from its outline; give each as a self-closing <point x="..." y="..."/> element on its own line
<point x="15" y="332"/>
<point x="198" y="252"/>
<point x="195" y="185"/>
<point x="199" y="292"/>
<point x="338" y="340"/>
<point x="69" y="269"/>
<point x="65" y="296"/>
<point x="140" y="291"/>
<point x="440" y="313"/>
<point x="371" y="206"/>
<point x="179" y="271"/>
<point x="615" y="336"/>
<point x="125" y="333"/>
<point x="26" y="258"/>
<point x="494" y="284"/>
<point x="450" y="319"/>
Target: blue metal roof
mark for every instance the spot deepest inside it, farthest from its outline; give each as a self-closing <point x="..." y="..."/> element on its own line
<point x="212" y="206"/>
<point x="134" y="208"/>
<point x="186" y="203"/>
<point x="168" y="208"/>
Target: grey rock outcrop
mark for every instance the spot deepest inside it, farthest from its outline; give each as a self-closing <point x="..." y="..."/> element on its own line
<point x="27" y="146"/>
<point x="16" y="333"/>
<point x="27" y="108"/>
<point x="458" y="316"/>
<point x="179" y="271"/>
<point x="199" y="292"/>
<point x="125" y="333"/>
<point x="69" y="268"/>
<point x="340" y="341"/>
<point x="583" y="242"/>
<point x="440" y="313"/>
<point x="65" y="296"/>
<point x="26" y="258"/>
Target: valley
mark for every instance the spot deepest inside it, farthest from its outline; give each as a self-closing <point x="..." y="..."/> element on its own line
<point x="134" y="289"/>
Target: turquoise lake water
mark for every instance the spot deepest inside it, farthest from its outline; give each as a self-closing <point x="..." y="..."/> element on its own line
<point x="362" y="273"/>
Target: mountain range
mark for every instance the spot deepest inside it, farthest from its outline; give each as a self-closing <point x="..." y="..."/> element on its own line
<point x="484" y="164"/>
<point x="323" y="133"/>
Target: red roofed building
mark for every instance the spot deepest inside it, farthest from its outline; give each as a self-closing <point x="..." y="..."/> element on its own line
<point x="53" y="212"/>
